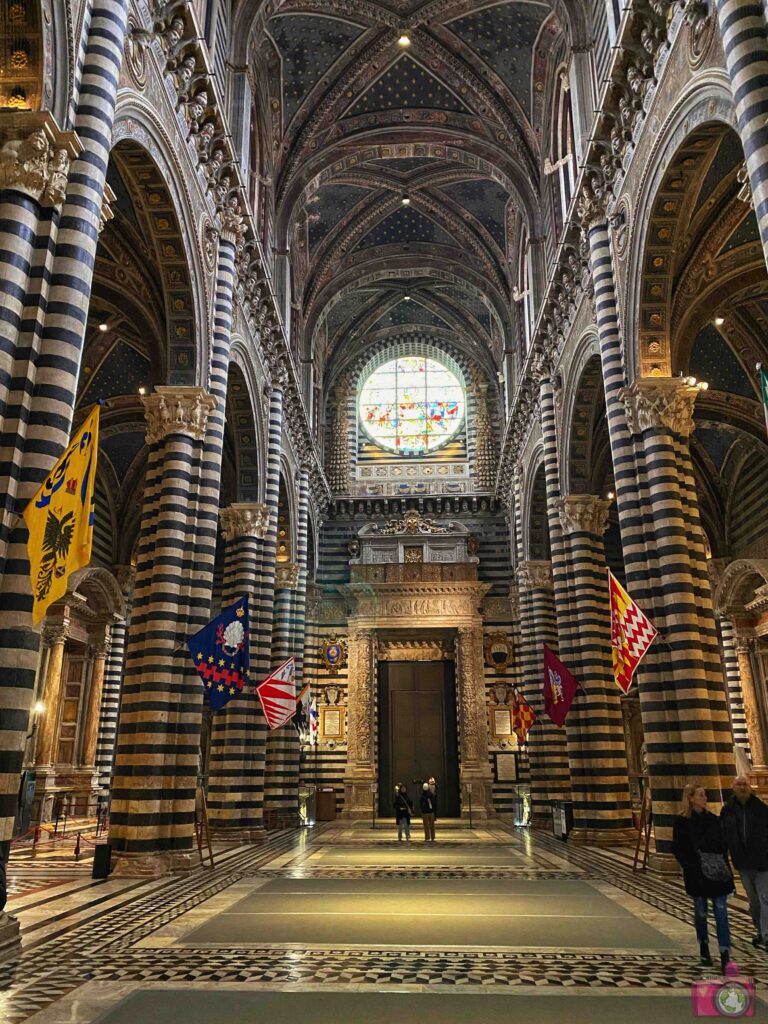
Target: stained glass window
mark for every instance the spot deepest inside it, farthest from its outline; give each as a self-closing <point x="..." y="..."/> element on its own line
<point x="411" y="405"/>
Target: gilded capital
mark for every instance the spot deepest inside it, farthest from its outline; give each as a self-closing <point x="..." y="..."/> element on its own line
<point x="54" y="633"/>
<point x="534" y="575"/>
<point x="37" y="162"/>
<point x="244" y="519"/>
<point x="287" y="576"/>
<point x="182" y="410"/>
<point x="591" y="207"/>
<point x="583" y="513"/>
<point x="660" y="403"/>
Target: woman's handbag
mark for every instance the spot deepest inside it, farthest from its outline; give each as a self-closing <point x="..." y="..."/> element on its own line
<point x="714" y="867"/>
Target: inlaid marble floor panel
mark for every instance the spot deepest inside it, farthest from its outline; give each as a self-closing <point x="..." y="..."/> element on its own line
<point x="517" y="925"/>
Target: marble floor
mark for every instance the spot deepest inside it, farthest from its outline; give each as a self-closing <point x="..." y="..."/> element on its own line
<point x="341" y="923"/>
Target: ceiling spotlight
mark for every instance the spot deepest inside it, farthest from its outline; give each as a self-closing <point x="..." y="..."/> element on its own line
<point x="406" y="200"/>
<point x="404" y="40"/>
<point x="103" y="327"/>
<point x="407" y="298"/>
<point x="719" y="321"/>
<point x="38" y="708"/>
<point x="142" y="390"/>
<point x="610" y="495"/>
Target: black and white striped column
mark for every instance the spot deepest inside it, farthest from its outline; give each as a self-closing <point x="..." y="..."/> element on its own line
<point x="745" y="43"/>
<point x="281" y="788"/>
<point x="55" y="389"/>
<point x="158" y="744"/>
<point x="673" y="685"/>
<point x="239" y="732"/>
<point x="596" y="743"/>
<point x="733" y="682"/>
<point x="113" y="681"/>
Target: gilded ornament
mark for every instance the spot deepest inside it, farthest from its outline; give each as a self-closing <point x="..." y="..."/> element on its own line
<point x="498" y="652"/>
<point x="333" y="654"/>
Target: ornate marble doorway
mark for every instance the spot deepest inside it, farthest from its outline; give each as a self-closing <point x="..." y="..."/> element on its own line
<point x="415" y="580"/>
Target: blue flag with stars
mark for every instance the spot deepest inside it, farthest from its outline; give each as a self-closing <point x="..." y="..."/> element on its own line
<point x="221" y="653"/>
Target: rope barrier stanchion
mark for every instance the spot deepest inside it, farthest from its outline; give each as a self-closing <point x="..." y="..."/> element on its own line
<point x="77" y="846"/>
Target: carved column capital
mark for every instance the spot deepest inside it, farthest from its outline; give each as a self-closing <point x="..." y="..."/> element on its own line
<point x="54" y="633"/>
<point x="583" y="513"/>
<point x="592" y="206"/>
<point x="37" y="161"/>
<point x="182" y="410"/>
<point x="244" y="519"/>
<point x="287" y="576"/>
<point x="542" y="367"/>
<point x="126" y="577"/>
<point x="534" y="575"/>
<point x="654" y="403"/>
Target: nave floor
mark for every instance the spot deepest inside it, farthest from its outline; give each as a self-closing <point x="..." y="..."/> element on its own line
<point x="341" y="923"/>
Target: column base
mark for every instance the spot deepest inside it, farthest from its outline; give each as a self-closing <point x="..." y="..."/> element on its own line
<point x="10" y="937"/>
<point x="153" y="865"/>
<point x="277" y="820"/>
<point x="359" y="800"/>
<point x="482" y="797"/>
<point x="663" y="864"/>
<point x="603" y="836"/>
<point x="239" y="835"/>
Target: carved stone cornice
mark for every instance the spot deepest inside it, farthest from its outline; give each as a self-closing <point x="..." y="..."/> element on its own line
<point x="244" y="519"/>
<point x="583" y="513"/>
<point x="534" y="575"/>
<point x="428" y="604"/>
<point x="287" y="576"/>
<point x="181" y="410"/>
<point x="35" y="157"/>
<point x="666" y="403"/>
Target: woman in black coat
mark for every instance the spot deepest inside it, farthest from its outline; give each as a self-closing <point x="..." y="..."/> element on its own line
<point x="403" y="812"/>
<point x="699" y="847"/>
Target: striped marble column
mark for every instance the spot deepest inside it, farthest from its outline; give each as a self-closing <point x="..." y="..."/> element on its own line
<point x="281" y="798"/>
<point x="733" y="682"/>
<point x="745" y="43"/>
<point x="547" y="753"/>
<point x="595" y="730"/>
<point x="55" y="389"/>
<point x="239" y="731"/>
<point x="113" y="681"/>
<point x="679" y="737"/>
<point x="263" y="616"/>
<point x="158" y="743"/>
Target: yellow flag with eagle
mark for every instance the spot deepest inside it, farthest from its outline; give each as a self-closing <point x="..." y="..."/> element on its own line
<point x="60" y="518"/>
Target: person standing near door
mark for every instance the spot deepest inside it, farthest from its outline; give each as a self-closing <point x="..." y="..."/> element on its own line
<point x="403" y="812"/>
<point x="427" y="804"/>
<point x="433" y="790"/>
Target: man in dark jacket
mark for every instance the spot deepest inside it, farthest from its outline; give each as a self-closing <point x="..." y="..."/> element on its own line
<point x="745" y="829"/>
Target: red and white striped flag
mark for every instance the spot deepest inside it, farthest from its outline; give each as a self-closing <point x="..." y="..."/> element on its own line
<point x="278" y="694"/>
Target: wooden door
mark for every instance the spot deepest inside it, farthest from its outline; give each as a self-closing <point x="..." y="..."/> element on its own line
<point x="417" y="732"/>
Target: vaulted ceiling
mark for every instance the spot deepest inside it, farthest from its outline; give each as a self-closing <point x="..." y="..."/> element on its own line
<point x="404" y="174"/>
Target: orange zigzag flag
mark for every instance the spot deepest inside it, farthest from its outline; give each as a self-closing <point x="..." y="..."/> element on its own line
<point x="632" y="633"/>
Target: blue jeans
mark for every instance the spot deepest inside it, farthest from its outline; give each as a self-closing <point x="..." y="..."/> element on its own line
<point x="720" y="905"/>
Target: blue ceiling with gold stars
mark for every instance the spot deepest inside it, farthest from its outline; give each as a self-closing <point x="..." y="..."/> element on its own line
<point x="503" y="35"/>
<point x="409" y="312"/>
<point x="713" y="360"/>
<point x="334" y="203"/>
<point x="406" y="84"/>
<point x="486" y="201"/>
<point x="309" y="45"/>
<point x="407" y="226"/>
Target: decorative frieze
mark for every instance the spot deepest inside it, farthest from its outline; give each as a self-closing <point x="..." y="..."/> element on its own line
<point x="244" y="519"/>
<point x="661" y="403"/>
<point x="583" y="513"/>
<point x="182" y="410"/>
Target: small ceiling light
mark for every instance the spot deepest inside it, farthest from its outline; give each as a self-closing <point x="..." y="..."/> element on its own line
<point x="407" y="298"/>
<point x="703" y="385"/>
<point x="103" y="327"/>
<point x="404" y="40"/>
<point x="610" y="495"/>
<point x="38" y="708"/>
<point x="142" y="391"/>
<point x="719" y="321"/>
<point x="406" y="200"/>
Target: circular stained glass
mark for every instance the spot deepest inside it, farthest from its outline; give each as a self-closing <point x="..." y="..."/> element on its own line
<point x="411" y="405"/>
